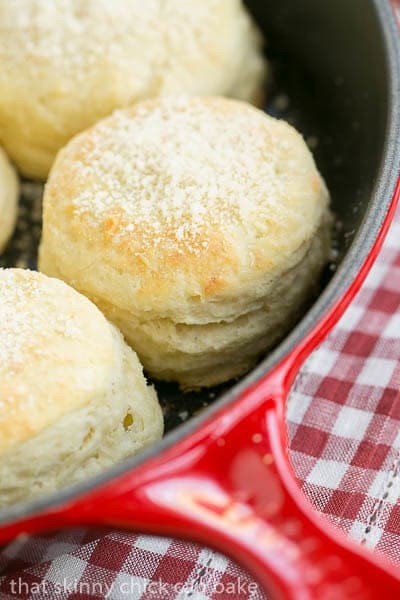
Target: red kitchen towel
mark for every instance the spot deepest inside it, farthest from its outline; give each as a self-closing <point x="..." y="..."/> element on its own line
<point x="344" y="429"/>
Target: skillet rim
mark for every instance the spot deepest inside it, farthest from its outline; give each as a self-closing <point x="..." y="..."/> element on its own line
<point x="371" y="225"/>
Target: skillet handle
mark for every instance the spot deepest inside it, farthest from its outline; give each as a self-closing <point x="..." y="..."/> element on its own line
<point x="239" y="495"/>
<point x="230" y="486"/>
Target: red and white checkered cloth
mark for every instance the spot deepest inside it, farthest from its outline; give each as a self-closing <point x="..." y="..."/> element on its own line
<point x="344" y="427"/>
<point x="344" y="412"/>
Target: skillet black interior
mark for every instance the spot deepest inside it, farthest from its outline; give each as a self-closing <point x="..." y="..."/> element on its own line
<point x="335" y="76"/>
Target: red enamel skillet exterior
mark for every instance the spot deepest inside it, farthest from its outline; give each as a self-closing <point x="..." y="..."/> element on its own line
<point x="229" y="484"/>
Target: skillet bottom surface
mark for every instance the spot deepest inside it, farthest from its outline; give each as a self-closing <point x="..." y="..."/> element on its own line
<point x="287" y="98"/>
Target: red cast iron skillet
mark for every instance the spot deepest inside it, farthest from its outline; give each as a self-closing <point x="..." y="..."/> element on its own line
<point x="224" y="478"/>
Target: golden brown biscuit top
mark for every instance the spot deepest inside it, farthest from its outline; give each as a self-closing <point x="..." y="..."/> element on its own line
<point x="57" y="353"/>
<point x="195" y="197"/>
<point x="100" y="52"/>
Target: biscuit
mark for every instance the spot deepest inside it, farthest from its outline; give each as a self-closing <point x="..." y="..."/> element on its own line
<point x="74" y="400"/>
<point x="199" y="226"/>
<point x="66" y="64"/>
<point x="8" y="199"/>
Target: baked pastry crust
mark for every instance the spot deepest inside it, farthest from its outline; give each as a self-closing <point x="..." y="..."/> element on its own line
<point x="73" y="396"/>
<point x="199" y="225"/>
<point x="66" y="64"/>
